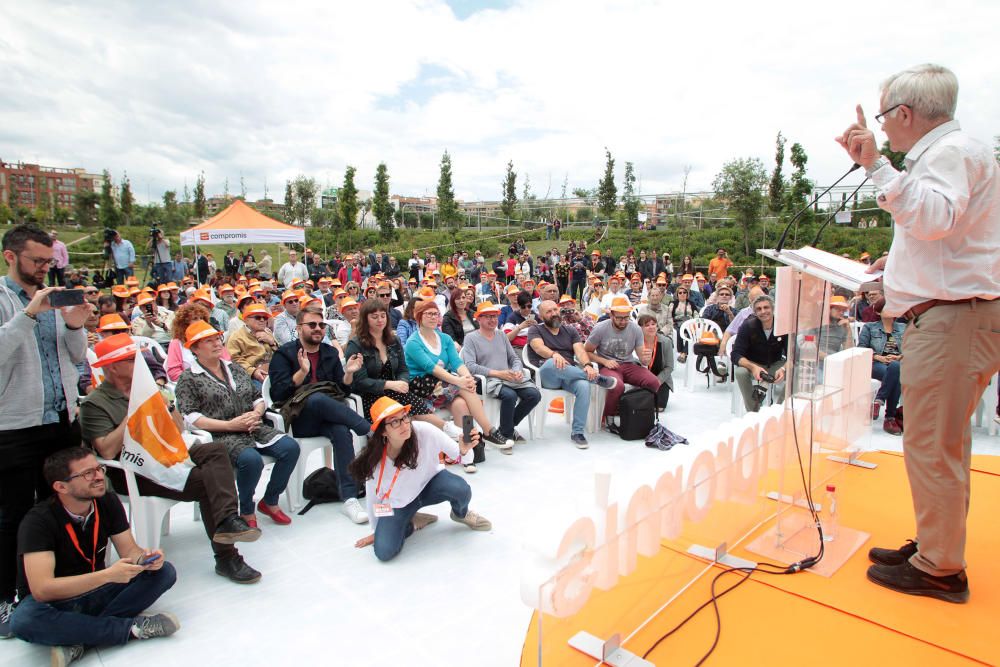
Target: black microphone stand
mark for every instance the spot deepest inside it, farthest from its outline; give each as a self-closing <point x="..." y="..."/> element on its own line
<point x="839" y="209"/>
<point x="788" y="227"/>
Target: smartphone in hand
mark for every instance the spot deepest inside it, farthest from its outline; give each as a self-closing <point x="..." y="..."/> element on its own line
<point x="148" y="561"/>
<point x="65" y="298"/>
<point x="467" y="429"/>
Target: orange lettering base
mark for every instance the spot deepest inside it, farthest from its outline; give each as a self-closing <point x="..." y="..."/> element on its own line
<point x="802" y="618"/>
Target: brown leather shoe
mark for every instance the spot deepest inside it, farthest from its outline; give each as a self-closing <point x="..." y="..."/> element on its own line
<point x="892" y="427"/>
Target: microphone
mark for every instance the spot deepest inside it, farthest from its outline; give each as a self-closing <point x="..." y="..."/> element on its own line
<point x="839" y="209"/>
<point x="788" y="227"/>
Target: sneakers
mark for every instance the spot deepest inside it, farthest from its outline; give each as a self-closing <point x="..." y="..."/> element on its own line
<point x="451" y="430"/>
<point x="235" y="529"/>
<point x="276" y="515"/>
<point x="422" y="520"/>
<point x="470" y="468"/>
<point x="473" y="521"/>
<point x="354" y="511"/>
<point x="6" y="609"/>
<point x="611" y="428"/>
<point x="579" y="440"/>
<point x="163" y="624"/>
<point x="892" y="427"/>
<point x="905" y="578"/>
<point x="876" y="409"/>
<point x="63" y="655"/>
<point x="496" y="439"/>
<point x="893" y="556"/>
<point x="518" y="438"/>
<point x="606" y="382"/>
<point x="237" y="571"/>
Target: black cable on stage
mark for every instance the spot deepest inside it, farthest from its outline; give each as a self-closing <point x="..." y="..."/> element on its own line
<point x="764" y="567"/>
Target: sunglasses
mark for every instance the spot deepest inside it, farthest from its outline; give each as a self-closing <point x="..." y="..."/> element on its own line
<point x="314" y="325"/>
<point x="384" y="295"/>
<point x="258" y="318"/>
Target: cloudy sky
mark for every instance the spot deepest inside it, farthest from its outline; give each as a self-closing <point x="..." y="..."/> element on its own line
<point x="276" y="89"/>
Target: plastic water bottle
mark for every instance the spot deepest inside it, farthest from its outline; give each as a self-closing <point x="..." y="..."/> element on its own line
<point x="805" y="367"/>
<point x="829" y="514"/>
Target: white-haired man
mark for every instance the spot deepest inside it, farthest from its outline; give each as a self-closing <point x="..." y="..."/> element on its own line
<point x="943" y="273"/>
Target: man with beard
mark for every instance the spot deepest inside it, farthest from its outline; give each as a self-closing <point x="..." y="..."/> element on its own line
<point x="39" y="347"/>
<point x="69" y="598"/>
<point x="563" y="363"/>
<point x="611" y="344"/>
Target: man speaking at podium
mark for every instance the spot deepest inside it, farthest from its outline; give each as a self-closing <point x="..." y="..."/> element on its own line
<point x="943" y="274"/>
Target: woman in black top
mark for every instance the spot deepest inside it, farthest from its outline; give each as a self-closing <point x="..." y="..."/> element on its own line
<point x="458" y="320"/>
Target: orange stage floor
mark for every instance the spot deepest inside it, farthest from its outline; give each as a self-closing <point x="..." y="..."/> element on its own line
<point x="810" y="619"/>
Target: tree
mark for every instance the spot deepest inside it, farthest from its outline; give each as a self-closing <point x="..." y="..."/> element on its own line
<point x="565" y="184"/>
<point x="303" y="199"/>
<point x="447" y="209"/>
<point x="996" y="147"/>
<point x="172" y="214"/>
<point x="801" y="186"/>
<point x="60" y="216"/>
<point x="630" y="203"/>
<point x="895" y="158"/>
<point x="776" y="189"/>
<point x="289" y="201"/>
<point x="381" y="205"/>
<point x="108" y="213"/>
<point x="740" y="185"/>
<point x="607" y="191"/>
<point x="85" y="208"/>
<point x="347" y="200"/>
<point x="127" y="200"/>
<point x="199" y="196"/>
<point x="243" y="188"/>
<point x="509" y="202"/>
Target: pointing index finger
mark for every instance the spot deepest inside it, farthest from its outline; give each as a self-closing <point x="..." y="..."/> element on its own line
<point x="861" y="116"/>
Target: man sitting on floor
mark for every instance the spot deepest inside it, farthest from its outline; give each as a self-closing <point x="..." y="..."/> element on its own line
<point x="210" y="484"/>
<point x="69" y="598"/>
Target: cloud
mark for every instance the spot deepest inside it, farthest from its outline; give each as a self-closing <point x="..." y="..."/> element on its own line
<point x="276" y="89"/>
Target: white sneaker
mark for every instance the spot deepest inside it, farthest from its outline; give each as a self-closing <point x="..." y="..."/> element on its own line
<point x="354" y="511"/>
<point x="451" y="430"/>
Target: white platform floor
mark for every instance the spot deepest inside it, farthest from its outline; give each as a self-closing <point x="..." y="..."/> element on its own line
<point x="450" y="598"/>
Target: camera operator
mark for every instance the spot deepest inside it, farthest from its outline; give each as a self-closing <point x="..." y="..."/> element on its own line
<point x="759" y="355"/>
<point x="159" y="245"/>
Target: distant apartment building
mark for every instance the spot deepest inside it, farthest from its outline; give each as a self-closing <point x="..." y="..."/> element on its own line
<point x="25" y="184"/>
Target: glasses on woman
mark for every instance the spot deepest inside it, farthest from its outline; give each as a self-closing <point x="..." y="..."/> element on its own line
<point x="682" y="291"/>
<point x="394" y="423"/>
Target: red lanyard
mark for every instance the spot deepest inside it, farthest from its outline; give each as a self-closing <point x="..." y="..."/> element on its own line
<point x="76" y="543"/>
<point x="378" y="484"/>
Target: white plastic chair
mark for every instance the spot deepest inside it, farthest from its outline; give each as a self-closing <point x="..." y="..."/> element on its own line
<point x="147" y="342"/>
<point x="856" y="328"/>
<point x="548" y="395"/>
<point x="149" y="516"/>
<point x="691" y="332"/>
<point x="306" y="447"/>
<point x="492" y="405"/>
<point x="736" y="405"/>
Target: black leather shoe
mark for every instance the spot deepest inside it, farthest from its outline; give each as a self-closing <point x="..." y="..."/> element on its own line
<point x="907" y="579"/>
<point x="235" y="529"/>
<point x="893" y="556"/>
<point x="236" y="570"/>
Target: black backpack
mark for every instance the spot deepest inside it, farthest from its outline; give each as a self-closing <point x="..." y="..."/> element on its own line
<point x="636" y="414"/>
<point x="320" y="487"/>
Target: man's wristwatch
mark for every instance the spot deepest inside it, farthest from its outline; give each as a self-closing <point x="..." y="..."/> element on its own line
<point x="876" y="165"/>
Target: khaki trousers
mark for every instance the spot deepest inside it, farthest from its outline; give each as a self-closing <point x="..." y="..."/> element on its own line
<point x="950" y="352"/>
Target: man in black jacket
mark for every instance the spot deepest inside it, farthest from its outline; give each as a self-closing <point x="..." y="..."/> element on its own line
<point x="306" y="361"/>
<point x="757" y="350"/>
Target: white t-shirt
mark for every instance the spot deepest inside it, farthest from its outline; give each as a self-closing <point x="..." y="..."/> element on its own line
<point x="431" y="441"/>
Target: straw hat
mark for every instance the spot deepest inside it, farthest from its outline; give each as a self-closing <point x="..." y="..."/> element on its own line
<point x="566" y="298"/>
<point x="145" y="299"/>
<point x="112" y="322"/>
<point x="113" y="349"/>
<point x="486" y="308"/>
<point x="621" y="304"/>
<point x="288" y="295"/>
<point x="384" y="408"/>
<point x="348" y="303"/>
<point x="197" y="331"/>
<point x="120" y="291"/>
<point x="255" y="309"/>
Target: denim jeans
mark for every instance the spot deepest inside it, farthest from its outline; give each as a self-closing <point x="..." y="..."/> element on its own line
<point x="102" y="617"/>
<point x="515" y="405"/>
<point x="327" y="417"/>
<point x="392" y="531"/>
<point x="249" y="466"/>
<point x="891" y="389"/>
<point x="574" y="380"/>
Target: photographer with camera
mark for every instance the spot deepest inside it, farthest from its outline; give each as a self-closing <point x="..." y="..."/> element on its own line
<point x="759" y="356"/>
<point x="159" y="246"/>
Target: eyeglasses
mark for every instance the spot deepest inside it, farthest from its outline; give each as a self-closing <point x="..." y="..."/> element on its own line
<point x="314" y="325"/>
<point x="259" y="318"/>
<point x="384" y="295"/>
<point x="40" y="262"/>
<point x="393" y="423"/>
<point x="880" y="117"/>
<point x="90" y="291"/>
<point x="682" y="291"/>
<point x="88" y="475"/>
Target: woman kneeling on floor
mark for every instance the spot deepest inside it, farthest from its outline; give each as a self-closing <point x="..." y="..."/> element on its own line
<point x="401" y="472"/>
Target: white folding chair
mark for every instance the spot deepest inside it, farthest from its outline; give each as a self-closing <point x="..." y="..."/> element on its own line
<point x="306" y="447"/>
<point x="492" y="405"/>
<point x="147" y="342"/>
<point x="856" y="328"/>
<point x="548" y="395"/>
<point x="691" y="332"/>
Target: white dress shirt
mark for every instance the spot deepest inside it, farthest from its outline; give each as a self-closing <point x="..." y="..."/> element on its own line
<point x="946" y="210"/>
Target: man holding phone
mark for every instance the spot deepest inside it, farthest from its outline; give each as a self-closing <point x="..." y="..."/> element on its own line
<point x="69" y="597"/>
<point x="39" y="347"/>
